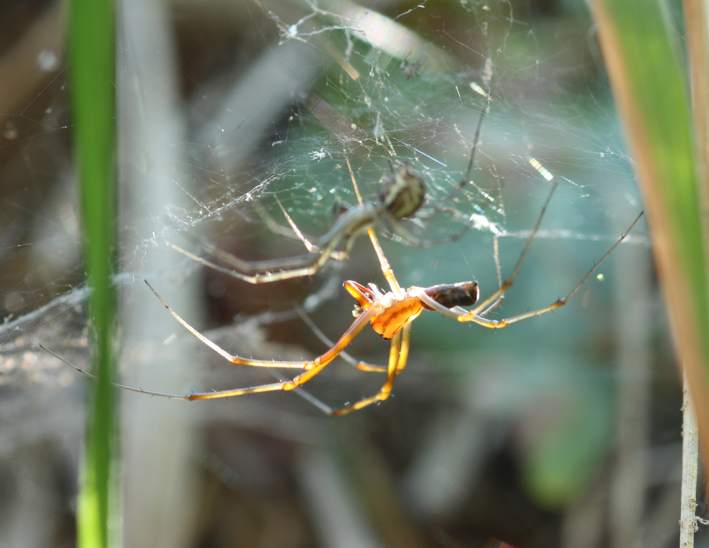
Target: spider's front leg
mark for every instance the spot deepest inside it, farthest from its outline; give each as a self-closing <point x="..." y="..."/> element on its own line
<point x="312" y="368"/>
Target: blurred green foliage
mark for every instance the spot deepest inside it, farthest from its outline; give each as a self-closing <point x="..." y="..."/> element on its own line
<point x="93" y="99"/>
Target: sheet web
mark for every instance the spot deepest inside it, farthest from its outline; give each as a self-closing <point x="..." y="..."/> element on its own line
<point x="381" y="91"/>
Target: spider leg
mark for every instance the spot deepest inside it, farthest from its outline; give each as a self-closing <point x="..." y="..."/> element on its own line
<point x="305" y="395"/>
<point x="387" y="271"/>
<point x="359" y="365"/>
<point x="476" y="140"/>
<point x="277" y="228"/>
<point x="346" y="229"/>
<point x="465" y="317"/>
<point x="309" y="246"/>
<point x="475" y="317"/>
<point x="237" y="360"/>
<point x="464" y="181"/>
<point x="336" y="255"/>
<point x="311" y="368"/>
<point x="404" y="351"/>
<point x="498" y="274"/>
<point x="398" y="229"/>
<point x="497" y="295"/>
<point x="399" y="348"/>
<point x="299" y="391"/>
<point x="90" y="375"/>
<point x="259" y="272"/>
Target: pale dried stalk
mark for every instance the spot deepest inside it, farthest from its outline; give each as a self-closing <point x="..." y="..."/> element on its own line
<point x="690" y="461"/>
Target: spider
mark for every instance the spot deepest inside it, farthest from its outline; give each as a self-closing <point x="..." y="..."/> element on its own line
<point x="402" y="196"/>
<point x="390" y="314"/>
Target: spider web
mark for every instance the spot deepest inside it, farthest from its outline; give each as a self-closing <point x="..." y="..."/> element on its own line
<point x="332" y="82"/>
<point x="317" y="83"/>
<point x="230" y="111"/>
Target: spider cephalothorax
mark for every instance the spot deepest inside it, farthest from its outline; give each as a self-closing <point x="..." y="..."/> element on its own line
<point x="394" y="310"/>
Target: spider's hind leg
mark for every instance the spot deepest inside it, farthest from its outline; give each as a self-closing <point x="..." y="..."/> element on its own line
<point x="476" y="317"/>
<point x="398" y="354"/>
<point x="493" y="300"/>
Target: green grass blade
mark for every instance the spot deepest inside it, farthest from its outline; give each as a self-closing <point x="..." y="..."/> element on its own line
<point x="647" y="74"/>
<point x="92" y="84"/>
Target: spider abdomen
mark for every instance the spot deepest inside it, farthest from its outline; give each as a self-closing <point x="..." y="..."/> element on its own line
<point x="457" y="294"/>
<point x="395" y="316"/>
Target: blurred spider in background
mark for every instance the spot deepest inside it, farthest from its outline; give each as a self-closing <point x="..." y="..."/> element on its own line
<point x="402" y="195"/>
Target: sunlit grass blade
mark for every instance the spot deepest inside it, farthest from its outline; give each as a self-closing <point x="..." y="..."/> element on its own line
<point x="644" y="60"/>
<point x="92" y="84"/>
<point x="696" y="20"/>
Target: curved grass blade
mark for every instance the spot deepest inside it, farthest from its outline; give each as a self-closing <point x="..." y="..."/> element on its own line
<point x="647" y="75"/>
